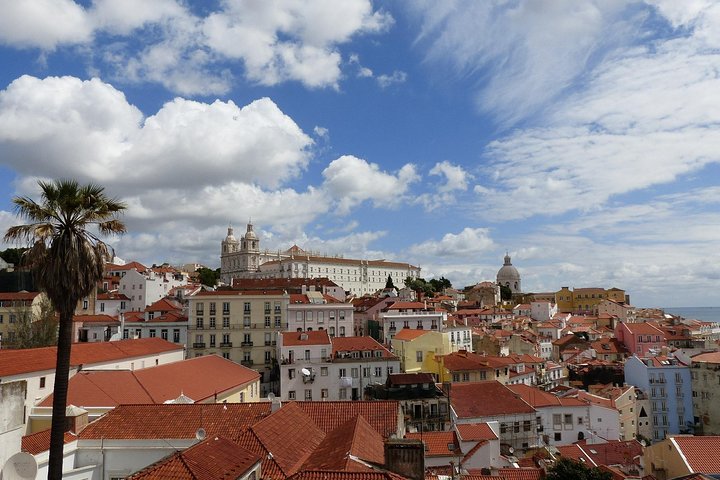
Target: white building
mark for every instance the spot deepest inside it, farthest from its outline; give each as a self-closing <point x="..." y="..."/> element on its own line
<point x="315" y="367"/>
<point x="147" y="287"/>
<point x="316" y="311"/>
<point x="244" y="259"/>
<point x="542" y="311"/>
<point x="413" y="315"/>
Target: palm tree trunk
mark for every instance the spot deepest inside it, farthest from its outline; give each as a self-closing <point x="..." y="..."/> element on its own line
<point x="60" y="390"/>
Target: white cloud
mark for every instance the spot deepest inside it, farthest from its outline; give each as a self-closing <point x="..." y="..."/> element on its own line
<point x="524" y="53"/>
<point x="43" y="23"/>
<point x="351" y="181"/>
<point x="272" y="42"/>
<point x="86" y="129"/>
<point x="469" y="242"/>
<point x="456" y="177"/>
<point x="396" y="77"/>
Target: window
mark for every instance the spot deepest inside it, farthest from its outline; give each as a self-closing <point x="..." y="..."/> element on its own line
<point x="226" y="308"/>
<point x="466" y="376"/>
<point x="42" y="382"/>
<point x="342" y="372"/>
<point x="366" y="372"/>
<point x="456" y="377"/>
<point x="164" y="334"/>
<point x="246" y="307"/>
<point x="278" y="321"/>
<point x="291" y="395"/>
<point x="176" y="335"/>
<point x="212" y="322"/>
<point x="152" y="333"/>
<point x="580" y="420"/>
<point x="324" y="393"/>
<point x="308" y="394"/>
<point x="567" y="420"/>
<point x="291" y="373"/>
<point x="212" y="339"/>
<point x="354" y="373"/>
<point x="557" y="419"/>
<point x="389" y="370"/>
<point x="199" y="322"/>
<point x="246" y="322"/>
<point x="526" y="425"/>
<point x="419" y="356"/>
<point x="342" y="331"/>
<point x="307" y="354"/>
<point x="323" y="371"/>
<point x="378" y="371"/>
<point x="558" y="436"/>
<point x="342" y="394"/>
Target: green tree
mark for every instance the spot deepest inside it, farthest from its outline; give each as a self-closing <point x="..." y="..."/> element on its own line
<point x="440" y="284"/>
<point x="13" y="255"/>
<point x="505" y="293"/>
<point x="36" y="330"/>
<point x="389" y="283"/>
<point x="566" y="468"/>
<point x="67" y="261"/>
<point x="208" y="276"/>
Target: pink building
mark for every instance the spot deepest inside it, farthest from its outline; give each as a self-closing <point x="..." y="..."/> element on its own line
<point x="640" y="338"/>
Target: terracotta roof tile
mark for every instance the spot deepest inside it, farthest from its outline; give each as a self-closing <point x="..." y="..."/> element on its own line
<point x="6" y="296"/>
<point x="40" y="441"/>
<point x="410" y="378"/>
<point x="315" y="337"/>
<point x="437" y="443"/>
<point x="335" y="475"/>
<point x="538" y="398"/>
<point x="695" y="450"/>
<point x="482" y="399"/>
<point x="521" y="473"/>
<point x="409" y="334"/>
<point x="105" y="319"/>
<point x="361" y="344"/>
<point x="475" y="431"/>
<point x="381" y="414"/>
<point x="211" y="459"/>
<point x="356" y="438"/>
<point x="16" y="362"/>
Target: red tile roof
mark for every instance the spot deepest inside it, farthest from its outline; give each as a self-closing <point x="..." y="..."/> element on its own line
<point x="359" y="344"/>
<point x="475" y="431"/>
<point x="177" y="421"/>
<point x="437" y="443"/>
<point x="484" y="399"/>
<point x="40" y="441"/>
<point x="521" y="473"/>
<point x="381" y="414"/>
<point x="696" y="452"/>
<point x="409" y="334"/>
<point x="315" y="337"/>
<point x="112" y="296"/>
<point x="334" y="475"/>
<point x="104" y="319"/>
<point x="538" y="398"/>
<point x="111" y="267"/>
<point x="17" y="362"/>
<point x="410" y="378"/>
<point x="163" y="305"/>
<point x="6" y="296"/>
<point x="407" y="306"/>
<point x="644" y="328"/>
<point x="711" y="357"/>
<point x="199" y="378"/>
<point x="211" y="459"/>
<point x="356" y="438"/>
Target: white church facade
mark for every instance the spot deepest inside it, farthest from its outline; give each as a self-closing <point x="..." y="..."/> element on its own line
<point x="243" y="259"/>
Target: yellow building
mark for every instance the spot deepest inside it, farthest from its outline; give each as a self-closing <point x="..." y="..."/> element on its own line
<point x="586" y="300"/>
<point x="418" y="349"/>
<point x="13" y="305"/>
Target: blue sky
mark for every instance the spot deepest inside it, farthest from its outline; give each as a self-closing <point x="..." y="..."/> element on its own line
<point x="581" y="136"/>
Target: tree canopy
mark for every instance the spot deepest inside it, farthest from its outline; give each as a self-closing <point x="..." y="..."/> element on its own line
<point x="67" y="260"/>
<point x="429" y="288"/>
<point x="566" y="468"/>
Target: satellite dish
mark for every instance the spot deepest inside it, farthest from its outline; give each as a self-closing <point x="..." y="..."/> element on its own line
<point x="271" y="396"/>
<point x="306" y="372"/>
<point x="643" y="443"/>
<point x="21" y="466"/>
<point x="511" y="450"/>
<point x="200" y="434"/>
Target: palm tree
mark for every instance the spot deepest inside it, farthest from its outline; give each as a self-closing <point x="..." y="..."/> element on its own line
<point x="67" y="261"/>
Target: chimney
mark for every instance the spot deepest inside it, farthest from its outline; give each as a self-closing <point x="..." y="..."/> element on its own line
<point x="405" y="457"/>
<point x="275" y="404"/>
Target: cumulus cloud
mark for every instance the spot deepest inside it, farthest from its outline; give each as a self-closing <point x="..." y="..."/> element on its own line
<point x="271" y="42"/>
<point x="351" y="180"/>
<point x="470" y="241"/>
<point x="455" y="175"/>
<point x="87" y="129"/>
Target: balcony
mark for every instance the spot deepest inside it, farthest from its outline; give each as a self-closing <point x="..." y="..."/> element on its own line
<point x="267" y="343"/>
<point x="268" y="361"/>
<point x="247" y="344"/>
<point x="246" y="363"/>
<point x="226" y="345"/>
<point x="199" y="345"/>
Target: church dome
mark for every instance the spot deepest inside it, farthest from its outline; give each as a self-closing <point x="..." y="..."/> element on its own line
<point x="230" y="237"/>
<point x="509" y="276"/>
<point x="250" y="234"/>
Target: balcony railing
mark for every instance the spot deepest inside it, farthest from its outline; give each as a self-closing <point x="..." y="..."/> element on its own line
<point x="199" y="345"/>
<point x="226" y="345"/>
<point x="246" y="363"/>
<point x="247" y="344"/>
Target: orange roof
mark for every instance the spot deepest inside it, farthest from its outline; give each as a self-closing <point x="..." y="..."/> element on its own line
<point x="381" y="414"/>
<point x="521" y="473"/>
<point x="213" y="458"/>
<point x="539" y="398"/>
<point x="315" y="337"/>
<point x="407" y="334"/>
<point x="475" y="432"/>
<point x="711" y="357"/>
<point x="95" y="319"/>
<point x="644" y="328"/>
<point x="335" y="475"/>
<point x="696" y="449"/>
<point x="163" y="305"/>
<point x="484" y="399"/>
<point x="407" y="306"/>
<point x="111" y="267"/>
<point x="16" y="362"/>
<point x="112" y="296"/>
<point x="352" y="344"/>
<point x="199" y="378"/>
<point x="338" y="450"/>
<point x="437" y="443"/>
<point x="18" y="295"/>
<point x="40" y="441"/>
